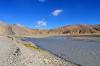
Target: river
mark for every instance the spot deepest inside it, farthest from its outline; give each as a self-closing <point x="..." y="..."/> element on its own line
<point x="84" y="52"/>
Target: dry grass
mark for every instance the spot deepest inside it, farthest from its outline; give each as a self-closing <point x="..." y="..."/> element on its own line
<point x="34" y="47"/>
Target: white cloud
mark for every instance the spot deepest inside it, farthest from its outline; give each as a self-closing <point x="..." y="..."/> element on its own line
<point x="41" y="23"/>
<point x="41" y="0"/>
<point x="57" y="12"/>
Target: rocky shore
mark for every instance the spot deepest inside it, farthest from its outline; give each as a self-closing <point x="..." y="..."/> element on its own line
<point x="14" y="52"/>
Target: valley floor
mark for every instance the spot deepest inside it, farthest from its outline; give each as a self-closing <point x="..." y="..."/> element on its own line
<point x="14" y="52"/>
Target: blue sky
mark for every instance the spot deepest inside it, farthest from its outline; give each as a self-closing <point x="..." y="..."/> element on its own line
<point x="50" y="13"/>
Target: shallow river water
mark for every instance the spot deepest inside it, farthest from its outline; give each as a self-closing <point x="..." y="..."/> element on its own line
<point x="86" y="53"/>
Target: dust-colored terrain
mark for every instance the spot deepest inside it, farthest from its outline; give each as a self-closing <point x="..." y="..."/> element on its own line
<point x="79" y="29"/>
<point x="17" y="29"/>
<point x="14" y="52"/>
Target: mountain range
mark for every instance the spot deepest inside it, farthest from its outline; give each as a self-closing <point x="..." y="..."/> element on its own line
<point x="17" y="29"/>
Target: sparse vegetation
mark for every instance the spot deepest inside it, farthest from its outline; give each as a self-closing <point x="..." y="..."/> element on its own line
<point x="20" y="36"/>
<point x="31" y="46"/>
<point x="34" y="47"/>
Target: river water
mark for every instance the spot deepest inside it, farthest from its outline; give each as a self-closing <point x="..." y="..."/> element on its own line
<point x="84" y="52"/>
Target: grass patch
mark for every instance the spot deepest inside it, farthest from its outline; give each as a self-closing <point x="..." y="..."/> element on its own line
<point x="31" y="46"/>
<point x="34" y="47"/>
<point x="20" y="36"/>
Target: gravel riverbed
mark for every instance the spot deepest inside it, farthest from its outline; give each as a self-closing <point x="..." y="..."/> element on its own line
<point x="14" y="53"/>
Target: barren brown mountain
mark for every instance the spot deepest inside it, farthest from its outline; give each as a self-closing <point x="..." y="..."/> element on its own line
<point x="5" y="29"/>
<point x="17" y="29"/>
<point x="77" y="29"/>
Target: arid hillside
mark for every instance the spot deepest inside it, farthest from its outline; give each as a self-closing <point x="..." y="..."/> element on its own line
<point x="77" y="29"/>
<point x="5" y="29"/>
<point x="17" y="29"/>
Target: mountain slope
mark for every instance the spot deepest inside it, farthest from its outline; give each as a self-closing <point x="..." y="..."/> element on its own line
<point x="20" y="30"/>
<point x="17" y="29"/>
<point x="5" y="28"/>
<point x="77" y="29"/>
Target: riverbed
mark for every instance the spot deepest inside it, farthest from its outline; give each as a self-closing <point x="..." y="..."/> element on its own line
<point x="84" y="52"/>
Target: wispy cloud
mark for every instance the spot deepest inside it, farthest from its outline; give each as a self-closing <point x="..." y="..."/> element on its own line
<point x="41" y="23"/>
<point x="57" y="12"/>
<point x="41" y="0"/>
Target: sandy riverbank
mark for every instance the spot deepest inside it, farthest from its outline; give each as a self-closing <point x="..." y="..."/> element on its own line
<point x="14" y="52"/>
